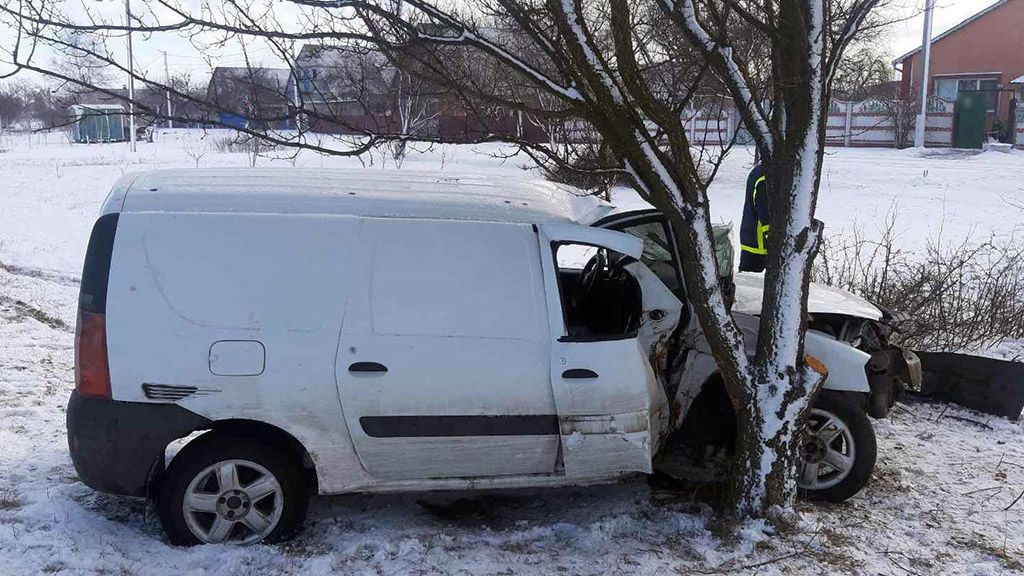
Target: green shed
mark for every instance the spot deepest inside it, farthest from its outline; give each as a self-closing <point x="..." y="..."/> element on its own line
<point x="97" y="123"/>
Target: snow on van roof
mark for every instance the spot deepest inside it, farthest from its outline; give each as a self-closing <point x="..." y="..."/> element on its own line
<point x="378" y="193"/>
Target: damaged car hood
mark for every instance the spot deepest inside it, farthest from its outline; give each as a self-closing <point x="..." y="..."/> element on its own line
<point x="821" y="299"/>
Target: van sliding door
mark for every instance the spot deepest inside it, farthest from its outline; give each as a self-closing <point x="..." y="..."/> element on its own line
<point x="443" y="361"/>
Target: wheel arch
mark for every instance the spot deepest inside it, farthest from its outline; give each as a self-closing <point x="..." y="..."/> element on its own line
<point x="709" y="416"/>
<point x="252" y="429"/>
<point x="711" y="406"/>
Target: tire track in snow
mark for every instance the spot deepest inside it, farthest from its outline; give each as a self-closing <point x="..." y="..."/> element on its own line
<point x="23" y="309"/>
<point x="41" y="274"/>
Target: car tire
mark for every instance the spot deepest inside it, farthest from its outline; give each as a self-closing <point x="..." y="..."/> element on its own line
<point x="238" y="491"/>
<point x="838" y="451"/>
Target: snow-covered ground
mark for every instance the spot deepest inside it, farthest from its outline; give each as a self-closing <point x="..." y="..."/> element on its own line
<point x="941" y="500"/>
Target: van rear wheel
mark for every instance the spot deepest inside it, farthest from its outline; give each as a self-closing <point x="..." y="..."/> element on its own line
<point x="837" y="449"/>
<point x="230" y="489"/>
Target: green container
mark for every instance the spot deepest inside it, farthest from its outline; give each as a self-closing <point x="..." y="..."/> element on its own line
<point x="97" y="123"/>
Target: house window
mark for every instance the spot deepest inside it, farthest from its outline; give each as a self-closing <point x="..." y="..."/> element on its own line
<point x="307" y="80"/>
<point x="949" y="88"/>
<point x="946" y="89"/>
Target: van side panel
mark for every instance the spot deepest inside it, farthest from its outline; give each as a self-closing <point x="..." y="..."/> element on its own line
<point x="443" y="363"/>
<point x="258" y="299"/>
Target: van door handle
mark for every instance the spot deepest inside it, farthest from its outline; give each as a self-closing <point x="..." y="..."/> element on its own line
<point x="367" y="367"/>
<point x="579" y="374"/>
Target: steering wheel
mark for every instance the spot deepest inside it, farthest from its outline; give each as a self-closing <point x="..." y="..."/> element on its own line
<point x="590" y="273"/>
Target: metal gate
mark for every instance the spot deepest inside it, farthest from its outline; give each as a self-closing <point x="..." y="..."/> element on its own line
<point x="969" y="117"/>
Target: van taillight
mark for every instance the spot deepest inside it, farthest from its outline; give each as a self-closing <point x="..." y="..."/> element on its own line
<point x="92" y="369"/>
<point x="92" y="373"/>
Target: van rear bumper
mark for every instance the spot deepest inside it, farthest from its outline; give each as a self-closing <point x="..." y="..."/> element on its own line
<point x="116" y="446"/>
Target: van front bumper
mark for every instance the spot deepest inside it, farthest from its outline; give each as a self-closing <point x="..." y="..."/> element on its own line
<point x="117" y="446"/>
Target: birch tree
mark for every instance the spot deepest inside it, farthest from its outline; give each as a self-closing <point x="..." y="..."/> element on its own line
<point x="597" y="61"/>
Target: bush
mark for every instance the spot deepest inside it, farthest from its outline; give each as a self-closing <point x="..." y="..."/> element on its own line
<point x="949" y="298"/>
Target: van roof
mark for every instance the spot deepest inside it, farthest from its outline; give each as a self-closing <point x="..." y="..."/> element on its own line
<point x="358" y="192"/>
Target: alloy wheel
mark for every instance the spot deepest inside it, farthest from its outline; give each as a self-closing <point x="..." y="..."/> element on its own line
<point x="234" y="501"/>
<point x="827" y="451"/>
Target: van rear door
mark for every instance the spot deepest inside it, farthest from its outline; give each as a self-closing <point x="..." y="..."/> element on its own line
<point x="443" y="361"/>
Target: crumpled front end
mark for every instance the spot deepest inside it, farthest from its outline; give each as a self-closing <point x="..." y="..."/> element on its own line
<point x="891" y="372"/>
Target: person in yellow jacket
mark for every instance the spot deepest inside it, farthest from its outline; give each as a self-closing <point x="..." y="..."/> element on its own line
<point x="754" y="226"/>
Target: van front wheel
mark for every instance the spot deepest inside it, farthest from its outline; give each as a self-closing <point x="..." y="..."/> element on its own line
<point x="837" y="449"/>
<point x="227" y="489"/>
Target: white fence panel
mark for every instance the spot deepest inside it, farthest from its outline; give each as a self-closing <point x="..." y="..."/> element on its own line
<point x="865" y="123"/>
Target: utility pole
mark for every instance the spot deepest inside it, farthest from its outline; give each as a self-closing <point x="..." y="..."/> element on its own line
<point x="926" y="56"/>
<point x="131" y="73"/>
<point x="296" y="71"/>
<point x="167" y="78"/>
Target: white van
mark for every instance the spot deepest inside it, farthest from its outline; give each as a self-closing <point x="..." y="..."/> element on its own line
<point x="342" y="332"/>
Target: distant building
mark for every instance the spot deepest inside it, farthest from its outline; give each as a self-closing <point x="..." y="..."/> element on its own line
<point x="150" y="106"/>
<point x="344" y="89"/>
<point x="355" y="90"/>
<point x="245" y="97"/>
<point x="983" y="53"/>
<point x="1018" y="85"/>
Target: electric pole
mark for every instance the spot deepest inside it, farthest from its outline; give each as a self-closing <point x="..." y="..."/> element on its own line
<point x="167" y="78"/>
<point x="131" y="74"/>
<point x="926" y="56"/>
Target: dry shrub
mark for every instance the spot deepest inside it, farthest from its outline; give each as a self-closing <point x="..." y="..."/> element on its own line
<point x="949" y="297"/>
<point x="9" y="500"/>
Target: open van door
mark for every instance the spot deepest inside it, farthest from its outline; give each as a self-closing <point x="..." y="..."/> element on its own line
<point x="611" y="408"/>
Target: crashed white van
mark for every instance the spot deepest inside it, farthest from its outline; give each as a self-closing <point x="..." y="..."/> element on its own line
<point x="339" y="332"/>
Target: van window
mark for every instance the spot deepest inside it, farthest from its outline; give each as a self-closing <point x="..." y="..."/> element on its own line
<point x="600" y="299"/>
<point x="457" y="279"/>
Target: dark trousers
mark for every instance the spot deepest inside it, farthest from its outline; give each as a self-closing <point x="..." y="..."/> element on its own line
<point x="750" y="262"/>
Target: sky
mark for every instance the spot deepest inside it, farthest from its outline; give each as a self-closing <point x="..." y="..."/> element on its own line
<point x="903" y="36"/>
<point x="906" y="35"/>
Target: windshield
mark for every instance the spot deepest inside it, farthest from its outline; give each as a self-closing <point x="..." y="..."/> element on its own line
<point x="658" y="254"/>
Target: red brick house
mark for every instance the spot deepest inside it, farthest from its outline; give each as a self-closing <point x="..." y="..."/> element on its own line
<point x="984" y="52"/>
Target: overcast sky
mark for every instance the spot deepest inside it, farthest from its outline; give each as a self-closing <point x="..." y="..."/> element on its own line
<point x="902" y="37"/>
<point x="906" y="35"/>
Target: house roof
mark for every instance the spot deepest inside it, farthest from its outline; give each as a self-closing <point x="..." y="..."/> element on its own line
<point x="344" y="72"/>
<point x="953" y="29"/>
<point x="89" y="106"/>
<point x="372" y="193"/>
<point x="268" y="77"/>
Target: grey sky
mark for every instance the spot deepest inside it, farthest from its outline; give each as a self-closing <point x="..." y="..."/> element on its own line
<point x="183" y="56"/>
<point x="905" y="36"/>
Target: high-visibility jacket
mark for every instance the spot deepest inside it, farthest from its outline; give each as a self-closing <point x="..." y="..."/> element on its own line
<point x="754" y="226"/>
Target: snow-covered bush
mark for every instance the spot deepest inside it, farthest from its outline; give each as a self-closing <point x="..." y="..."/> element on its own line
<point x="955" y="297"/>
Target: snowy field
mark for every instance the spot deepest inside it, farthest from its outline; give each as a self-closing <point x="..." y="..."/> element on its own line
<point x="941" y="499"/>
